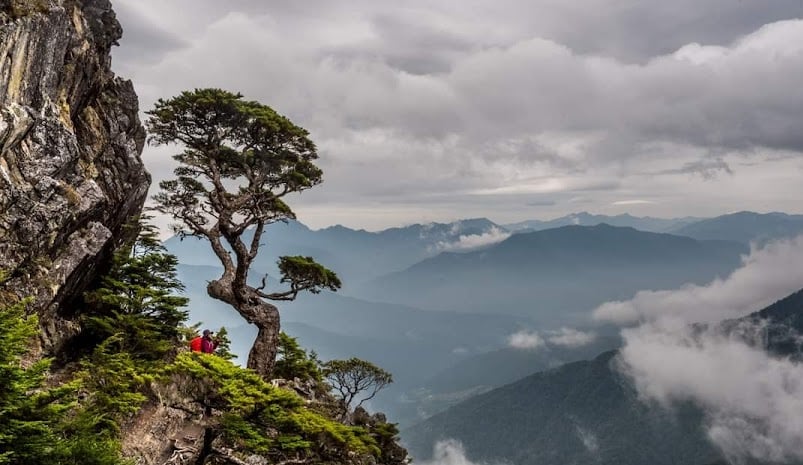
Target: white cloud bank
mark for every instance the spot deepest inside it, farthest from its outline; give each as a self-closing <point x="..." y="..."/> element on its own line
<point x="569" y="337"/>
<point x="449" y="452"/>
<point x="474" y="241"/>
<point x="528" y="340"/>
<point x="753" y="402"/>
<point x="564" y="337"/>
<point x="766" y="275"/>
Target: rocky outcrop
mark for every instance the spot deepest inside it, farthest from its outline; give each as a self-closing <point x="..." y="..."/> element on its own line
<point x="70" y="142"/>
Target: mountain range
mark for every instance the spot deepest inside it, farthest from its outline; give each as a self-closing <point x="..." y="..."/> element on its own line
<point x="556" y="276"/>
<point x="483" y="372"/>
<point x="745" y="227"/>
<point x="645" y="223"/>
<point x="356" y="255"/>
<point x="590" y="412"/>
<point x="359" y="256"/>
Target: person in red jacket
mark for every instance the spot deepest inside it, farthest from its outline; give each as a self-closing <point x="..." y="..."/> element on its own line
<point x="204" y="343"/>
<point x="208" y="345"/>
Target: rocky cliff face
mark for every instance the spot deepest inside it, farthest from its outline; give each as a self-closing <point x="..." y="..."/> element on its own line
<point x="70" y="142"/>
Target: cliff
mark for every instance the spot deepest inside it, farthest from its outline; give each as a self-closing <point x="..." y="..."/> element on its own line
<point x="70" y="142"/>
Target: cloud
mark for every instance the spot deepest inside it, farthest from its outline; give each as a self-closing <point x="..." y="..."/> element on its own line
<point x="707" y="169"/>
<point x="752" y="400"/>
<point x="568" y="337"/>
<point x="633" y="202"/>
<point x="765" y="275"/>
<point x="588" y="438"/>
<point x="527" y="340"/>
<point x="420" y="104"/>
<point x="449" y="452"/>
<point x="564" y="337"/>
<point x="146" y="39"/>
<point x="474" y="241"/>
<point x="540" y="203"/>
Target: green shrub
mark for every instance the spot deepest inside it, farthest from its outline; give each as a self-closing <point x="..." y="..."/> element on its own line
<point x="115" y="384"/>
<point x="264" y="419"/>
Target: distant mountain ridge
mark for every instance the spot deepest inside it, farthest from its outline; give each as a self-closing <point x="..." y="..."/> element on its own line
<point x="359" y="255"/>
<point x="356" y="255"/>
<point x="582" y="413"/>
<point x="588" y="412"/>
<point x="645" y="223"/>
<point x="563" y="271"/>
<point x="745" y="227"/>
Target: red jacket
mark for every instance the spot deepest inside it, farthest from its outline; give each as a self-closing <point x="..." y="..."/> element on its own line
<point x="196" y="343"/>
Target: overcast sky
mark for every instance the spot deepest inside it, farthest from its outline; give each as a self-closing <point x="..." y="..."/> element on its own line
<point x="509" y="109"/>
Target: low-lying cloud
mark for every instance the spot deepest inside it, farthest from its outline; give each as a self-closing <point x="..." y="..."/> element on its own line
<point x="767" y="274"/>
<point x="564" y="337"/>
<point x="568" y="337"/>
<point x="753" y="401"/>
<point x="474" y="241"/>
<point x="588" y="438"/>
<point x="528" y="340"/>
<point x="449" y="452"/>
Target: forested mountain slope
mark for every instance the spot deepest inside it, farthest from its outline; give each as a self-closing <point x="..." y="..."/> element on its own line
<point x="590" y="412"/>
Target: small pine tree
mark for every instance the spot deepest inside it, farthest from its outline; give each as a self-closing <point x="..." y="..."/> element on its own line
<point x="224" y="344"/>
<point x="293" y="362"/>
<point x="136" y="299"/>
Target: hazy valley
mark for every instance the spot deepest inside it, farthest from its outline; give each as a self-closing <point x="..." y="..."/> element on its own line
<point x="456" y="326"/>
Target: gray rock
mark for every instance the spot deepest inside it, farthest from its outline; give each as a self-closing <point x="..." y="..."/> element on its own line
<point x="70" y="142"/>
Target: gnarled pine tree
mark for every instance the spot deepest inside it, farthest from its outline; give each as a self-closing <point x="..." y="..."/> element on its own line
<point x="240" y="160"/>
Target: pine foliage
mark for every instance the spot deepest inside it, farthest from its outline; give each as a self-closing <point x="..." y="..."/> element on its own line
<point x="292" y="361"/>
<point x="41" y="425"/>
<point x="267" y="420"/>
<point x="136" y="306"/>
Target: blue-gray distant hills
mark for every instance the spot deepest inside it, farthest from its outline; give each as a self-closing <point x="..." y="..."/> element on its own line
<point x="356" y="255"/>
<point x="745" y="227"/>
<point x="359" y="256"/>
<point x="588" y="412"/>
<point x="412" y="344"/>
<point x="557" y="274"/>
<point x="643" y="223"/>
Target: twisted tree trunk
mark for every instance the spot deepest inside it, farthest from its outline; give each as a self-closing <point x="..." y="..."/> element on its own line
<point x="256" y="311"/>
